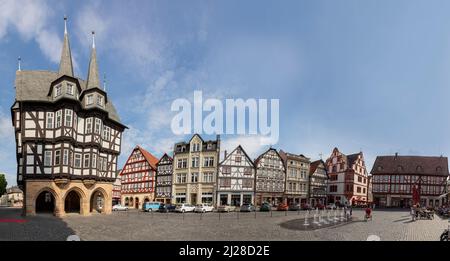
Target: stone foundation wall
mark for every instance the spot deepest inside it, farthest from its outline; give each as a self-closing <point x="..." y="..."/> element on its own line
<point x="60" y="189"/>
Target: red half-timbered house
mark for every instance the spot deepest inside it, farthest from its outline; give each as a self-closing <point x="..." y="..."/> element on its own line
<point x="138" y="178"/>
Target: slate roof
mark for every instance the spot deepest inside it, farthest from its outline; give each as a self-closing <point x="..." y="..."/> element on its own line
<point x="34" y="86"/>
<point x="313" y="166"/>
<point x="414" y="165"/>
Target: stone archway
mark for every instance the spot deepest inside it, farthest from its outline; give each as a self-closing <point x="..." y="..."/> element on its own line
<point x="72" y="202"/>
<point x="97" y="202"/>
<point x="126" y="201"/>
<point x="136" y="202"/>
<point x="45" y="202"/>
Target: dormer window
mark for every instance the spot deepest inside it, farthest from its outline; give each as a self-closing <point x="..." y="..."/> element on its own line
<point x="196" y="147"/>
<point x="90" y="99"/>
<point x="100" y="100"/>
<point x="58" y="90"/>
<point x="70" y="89"/>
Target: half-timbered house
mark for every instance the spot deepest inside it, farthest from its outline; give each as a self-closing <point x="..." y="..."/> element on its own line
<point x="195" y="168"/>
<point x="297" y="168"/>
<point x="164" y="174"/>
<point x="270" y="178"/>
<point x="348" y="178"/>
<point x="394" y="178"/>
<point x="236" y="179"/>
<point x="318" y="183"/>
<point x="138" y="178"/>
<point x="68" y="137"/>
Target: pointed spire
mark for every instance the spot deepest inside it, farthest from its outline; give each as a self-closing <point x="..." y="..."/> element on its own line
<point x="19" y="60"/>
<point x="104" y="82"/>
<point x="65" y="65"/>
<point x="93" y="79"/>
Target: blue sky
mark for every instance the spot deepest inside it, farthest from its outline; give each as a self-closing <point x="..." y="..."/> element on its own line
<point x="359" y="75"/>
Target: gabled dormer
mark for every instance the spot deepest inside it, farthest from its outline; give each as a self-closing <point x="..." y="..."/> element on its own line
<point x="196" y="143"/>
<point x="66" y="85"/>
<point x="93" y="96"/>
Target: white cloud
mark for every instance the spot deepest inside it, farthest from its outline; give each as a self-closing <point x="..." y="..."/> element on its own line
<point x="7" y="148"/>
<point x="251" y="145"/>
<point x="31" y="19"/>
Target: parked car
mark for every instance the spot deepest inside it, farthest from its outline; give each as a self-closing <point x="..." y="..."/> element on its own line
<point x="282" y="207"/>
<point x="247" y="207"/>
<point x="306" y="206"/>
<point x="119" y="207"/>
<point x="331" y="206"/>
<point x="151" y="206"/>
<point x="265" y="207"/>
<point x="184" y="207"/>
<point x="225" y="208"/>
<point x="164" y="208"/>
<point x="203" y="208"/>
<point x="294" y="207"/>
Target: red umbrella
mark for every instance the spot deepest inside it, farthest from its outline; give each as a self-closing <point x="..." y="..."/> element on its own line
<point x="415" y="195"/>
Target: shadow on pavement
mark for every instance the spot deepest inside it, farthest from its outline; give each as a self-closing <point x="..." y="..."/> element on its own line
<point x="42" y="227"/>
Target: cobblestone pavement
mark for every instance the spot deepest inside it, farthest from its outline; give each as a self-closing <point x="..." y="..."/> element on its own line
<point x="389" y="225"/>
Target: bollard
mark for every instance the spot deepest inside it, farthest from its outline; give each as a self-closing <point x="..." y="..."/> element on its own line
<point x="255" y="213"/>
<point x="201" y="215"/>
<point x="237" y="214"/>
<point x="219" y="215"/>
<point x="183" y="215"/>
<point x="285" y="213"/>
<point x="270" y="212"/>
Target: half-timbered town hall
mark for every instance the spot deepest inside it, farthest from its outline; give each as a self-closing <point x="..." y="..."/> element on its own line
<point x="68" y="137"/>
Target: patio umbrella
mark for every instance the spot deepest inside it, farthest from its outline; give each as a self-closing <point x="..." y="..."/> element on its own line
<point x="415" y="195"/>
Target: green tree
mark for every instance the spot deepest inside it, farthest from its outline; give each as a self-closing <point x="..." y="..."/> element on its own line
<point x="3" y="184"/>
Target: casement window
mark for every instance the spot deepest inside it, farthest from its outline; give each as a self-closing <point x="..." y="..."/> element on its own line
<point x="89" y="125"/>
<point x="90" y="99"/>
<point x="58" y="90"/>
<point x="196" y="147"/>
<point x="87" y="160"/>
<point x="70" y="89"/>
<point x="195" y="161"/>
<point x="100" y="100"/>
<point x="208" y="177"/>
<point x="68" y="113"/>
<point x="208" y="162"/>
<point x="181" y="178"/>
<point x="94" y="161"/>
<point x="104" y="165"/>
<point x="57" y="157"/>
<point x="77" y="163"/>
<point x="97" y="127"/>
<point x="106" y="133"/>
<point x="66" y="157"/>
<point x="248" y="171"/>
<point x="226" y="170"/>
<point x="58" y="118"/>
<point x="182" y="163"/>
<point x="247" y="183"/>
<point x="238" y="159"/>
<point x="225" y="183"/>
<point x="50" y="119"/>
<point x="194" y="177"/>
<point x="48" y="158"/>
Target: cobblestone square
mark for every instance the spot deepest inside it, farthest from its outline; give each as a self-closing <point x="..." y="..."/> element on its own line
<point x="391" y="225"/>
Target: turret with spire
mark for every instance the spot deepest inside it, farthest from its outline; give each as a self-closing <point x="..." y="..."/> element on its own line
<point x="93" y="95"/>
<point x="65" y="65"/>
<point x="65" y="85"/>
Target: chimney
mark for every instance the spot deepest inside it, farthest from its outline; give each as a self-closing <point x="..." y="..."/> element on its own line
<point x="225" y="154"/>
<point x="396" y="155"/>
